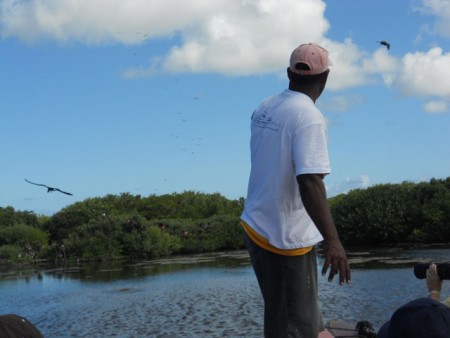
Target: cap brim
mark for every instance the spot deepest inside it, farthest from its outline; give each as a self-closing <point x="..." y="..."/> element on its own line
<point x="384" y="331"/>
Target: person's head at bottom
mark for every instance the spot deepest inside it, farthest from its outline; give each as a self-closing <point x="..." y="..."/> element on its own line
<point x="420" y="318"/>
<point x="15" y="326"/>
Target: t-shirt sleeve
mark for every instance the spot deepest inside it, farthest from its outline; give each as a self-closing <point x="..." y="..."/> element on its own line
<point x="310" y="150"/>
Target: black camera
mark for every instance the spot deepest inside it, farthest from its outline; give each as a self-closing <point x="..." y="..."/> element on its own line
<point x="443" y="270"/>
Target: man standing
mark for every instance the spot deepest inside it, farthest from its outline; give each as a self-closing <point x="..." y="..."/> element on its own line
<point x="286" y="211"/>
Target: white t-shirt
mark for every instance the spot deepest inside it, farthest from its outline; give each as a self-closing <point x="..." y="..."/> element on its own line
<point x="288" y="138"/>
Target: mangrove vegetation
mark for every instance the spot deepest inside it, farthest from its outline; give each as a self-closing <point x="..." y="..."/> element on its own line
<point x="128" y="227"/>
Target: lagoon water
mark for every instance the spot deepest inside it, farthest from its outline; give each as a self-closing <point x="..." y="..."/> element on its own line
<point x="209" y="295"/>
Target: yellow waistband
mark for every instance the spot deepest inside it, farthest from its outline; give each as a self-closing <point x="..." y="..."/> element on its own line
<point x="264" y="243"/>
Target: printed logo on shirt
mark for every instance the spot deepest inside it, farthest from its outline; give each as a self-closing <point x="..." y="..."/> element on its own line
<point x="265" y="122"/>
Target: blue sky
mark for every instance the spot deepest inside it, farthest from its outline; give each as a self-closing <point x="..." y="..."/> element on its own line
<point x="152" y="97"/>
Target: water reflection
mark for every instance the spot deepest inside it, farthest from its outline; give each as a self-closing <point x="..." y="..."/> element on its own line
<point x="210" y="295"/>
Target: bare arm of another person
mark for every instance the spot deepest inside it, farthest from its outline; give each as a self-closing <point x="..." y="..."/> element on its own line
<point x="312" y="191"/>
<point x="434" y="283"/>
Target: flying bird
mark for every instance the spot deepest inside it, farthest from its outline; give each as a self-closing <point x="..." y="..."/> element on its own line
<point x="50" y="189"/>
<point x="385" y="43"/>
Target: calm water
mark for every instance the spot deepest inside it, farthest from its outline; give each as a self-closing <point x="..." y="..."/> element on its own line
<point x="214" y="295"/>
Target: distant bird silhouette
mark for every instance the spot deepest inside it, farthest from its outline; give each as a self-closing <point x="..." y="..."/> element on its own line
<point x="385" y="43"/>
<point x="50" y="189"/>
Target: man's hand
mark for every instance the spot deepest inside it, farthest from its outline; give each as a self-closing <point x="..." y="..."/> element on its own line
<point x="336" y="260"/>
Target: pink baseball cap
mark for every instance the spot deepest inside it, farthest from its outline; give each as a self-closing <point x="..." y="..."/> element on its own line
<point x="309" y="59"/>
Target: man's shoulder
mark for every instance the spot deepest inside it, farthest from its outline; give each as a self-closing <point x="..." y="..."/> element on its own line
<point x="293" y="106"/>
<point x="283" y="95"/>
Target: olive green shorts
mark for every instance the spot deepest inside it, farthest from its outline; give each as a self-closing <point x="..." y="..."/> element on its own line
<point x="290" y="291"/>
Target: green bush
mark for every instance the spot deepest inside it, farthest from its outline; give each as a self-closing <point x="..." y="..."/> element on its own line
<point x="11" y="253"/>
<point x="225" y="232"/>
<point x="394" y="213"/>
<point x="28" y="238"/>
<point x="157" y="243"/>
<point x="135" y="227"/>
<point x="222" y="232"/>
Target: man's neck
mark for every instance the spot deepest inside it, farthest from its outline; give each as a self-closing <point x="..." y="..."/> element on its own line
<point x="307" y="90"/>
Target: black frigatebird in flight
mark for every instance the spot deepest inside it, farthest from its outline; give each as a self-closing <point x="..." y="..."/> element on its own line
<point x="50" y="189"/>
<point x="385" y="43"/>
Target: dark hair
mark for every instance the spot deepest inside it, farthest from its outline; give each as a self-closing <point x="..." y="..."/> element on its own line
<point x="305" y="79"/>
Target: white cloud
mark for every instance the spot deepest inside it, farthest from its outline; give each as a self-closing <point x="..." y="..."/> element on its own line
<point x="101" y="21"/>
<point x="347" y="69"/>
<point x="136" y="72"/>
<point x="248" y="37"/>
<point x="425" y="74"/>
<point x="361" y="182"/>
<point x="339" y="103"/>
<point x="231" y="37"/>
<point x="235" y="37"/>
<point x="436" y="107"/>
<point x="440" y="9"/>
<point x="382" y="63"/>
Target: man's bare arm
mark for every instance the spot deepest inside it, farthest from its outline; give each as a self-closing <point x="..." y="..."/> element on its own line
<point x="312" y="191"/>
